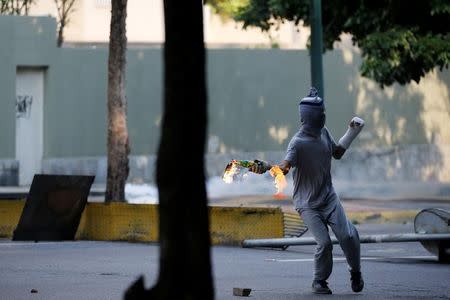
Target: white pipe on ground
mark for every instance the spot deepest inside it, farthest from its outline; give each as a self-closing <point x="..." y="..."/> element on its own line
<point x="364" y="239"/>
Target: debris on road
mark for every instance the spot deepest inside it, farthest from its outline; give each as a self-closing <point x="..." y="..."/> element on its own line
<point x="241" y="292"/>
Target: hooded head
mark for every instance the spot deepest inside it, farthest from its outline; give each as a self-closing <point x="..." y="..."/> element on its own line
<point x="312" y="113"/>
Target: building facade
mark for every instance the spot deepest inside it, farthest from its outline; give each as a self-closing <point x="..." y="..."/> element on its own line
<point x="90" y="20"/>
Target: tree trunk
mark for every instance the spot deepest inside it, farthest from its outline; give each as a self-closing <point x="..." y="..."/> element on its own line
<point x="185" y="266"/>
<point x="60" y="39"/>
<point x="118" y="147"/>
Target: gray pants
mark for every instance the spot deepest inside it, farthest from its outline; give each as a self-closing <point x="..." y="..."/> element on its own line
<point x="317" y="221"/>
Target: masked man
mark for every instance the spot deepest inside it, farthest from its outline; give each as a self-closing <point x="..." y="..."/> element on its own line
<point x="309" y="155"/>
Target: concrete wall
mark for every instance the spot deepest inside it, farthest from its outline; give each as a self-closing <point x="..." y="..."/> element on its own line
<point x="77" y="102"/>
<point x="253" y="97"/>
<point x="26" y="42"/>
<point x="7" y="86"/>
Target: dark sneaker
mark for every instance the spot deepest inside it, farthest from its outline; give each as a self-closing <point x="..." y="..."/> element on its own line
<point x="320" y="287"/>
<point x="357" y="281"/>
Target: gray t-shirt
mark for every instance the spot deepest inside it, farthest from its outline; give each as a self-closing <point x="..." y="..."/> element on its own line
<point x="310" y="158"/>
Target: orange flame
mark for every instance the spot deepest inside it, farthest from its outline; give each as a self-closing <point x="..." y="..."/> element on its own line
<point x="231" y="170"/>
<point x="280" y="181"/>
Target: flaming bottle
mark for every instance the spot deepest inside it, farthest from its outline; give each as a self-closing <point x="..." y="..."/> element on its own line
<point x="244" y="163"/>
<point x="233" y="168"/>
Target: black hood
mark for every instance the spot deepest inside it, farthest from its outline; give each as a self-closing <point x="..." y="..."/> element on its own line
<point x="312" y="113"/>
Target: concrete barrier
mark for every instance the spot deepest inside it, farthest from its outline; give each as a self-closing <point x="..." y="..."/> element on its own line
<point x="139" y="222"/>
<point x="119" y="222"/>
<point x="231" y="225"/>
<point x="10" y="211"/>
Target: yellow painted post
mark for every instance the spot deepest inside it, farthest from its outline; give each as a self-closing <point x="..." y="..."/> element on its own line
<point x="119" y="222"/>
<point x="139" y="222"/>
<point x="10" y="212"/>
<point x="231" y="225"/>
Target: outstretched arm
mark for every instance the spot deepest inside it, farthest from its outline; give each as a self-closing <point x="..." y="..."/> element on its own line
<point x="354" y="128"/>
<point x="338" y="152"/>
<point x="261" y="167"/>
<point x="285" y="166"/>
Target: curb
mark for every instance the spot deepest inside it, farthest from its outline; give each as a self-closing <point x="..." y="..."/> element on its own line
<point x="140" y="222"/>
<point x="380" y="217"/>
<point x="228" y="225"/>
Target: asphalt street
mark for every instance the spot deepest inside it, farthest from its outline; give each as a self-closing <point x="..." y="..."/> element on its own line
<point x="103" y="270"/>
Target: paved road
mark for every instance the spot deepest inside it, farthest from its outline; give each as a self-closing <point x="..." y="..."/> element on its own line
<point x="102" y="270"/>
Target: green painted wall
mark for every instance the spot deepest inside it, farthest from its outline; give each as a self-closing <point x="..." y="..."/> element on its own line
<point x="25" y="42"/>
<point x="7" y="89"/>
<point x="75" y="109"/>
<point x="34" y="40"/>
<point x="253" y="96"/>
<point x="77" y="102"/>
